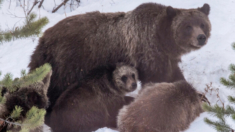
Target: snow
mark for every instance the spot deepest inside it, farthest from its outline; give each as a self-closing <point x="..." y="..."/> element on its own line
<point x="201" y="67"/>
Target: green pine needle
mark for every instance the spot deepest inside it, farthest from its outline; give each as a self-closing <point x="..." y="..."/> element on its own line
<point x="232" y="68"/>
<point x="7" y="80"/>
<point x="23" y="73"/>
<point x="34" y="118"/>
<point x="2" y="100"/>
<point x="233" y="116"/>
<point x="219" y="126"/>
<point x="31" y="28"/>
<point x="231" y="99"/>
<point x="227" y="83"/>
<point x="16" y="112"/>
<point x="233" y="45"/>
<point x="37" y="75"/>
<point x="31" y="17"/>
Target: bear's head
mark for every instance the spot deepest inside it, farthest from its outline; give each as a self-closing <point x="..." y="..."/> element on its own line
<point x="125" y="78"/>
<point x="26" y="98"/>
<point x="191" y="27"/>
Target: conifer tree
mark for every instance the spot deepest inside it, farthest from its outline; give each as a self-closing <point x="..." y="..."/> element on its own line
<point x="220" y="111"/>
<point x="34" y="117"/>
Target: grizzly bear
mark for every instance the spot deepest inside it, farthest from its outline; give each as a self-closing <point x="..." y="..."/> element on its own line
<point x="26" y="98"/>
<point x="95" y="101"/>
<point x="163" y="107"/>
<point x="153" y="37"/>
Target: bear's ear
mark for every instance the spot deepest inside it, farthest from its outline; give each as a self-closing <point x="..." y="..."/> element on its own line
<point x="171" y="12"/>
<point x="46" y="82"/>
<point x="205" y="9"/>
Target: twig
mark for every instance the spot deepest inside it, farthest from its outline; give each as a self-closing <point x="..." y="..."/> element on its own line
<point x="13" y="15"/>
<point x="14" y="123"/>
<point x="9" y="4"/>
<point x="35" y="3"/>
<point x="63" y="3"/>
<point x="39" y="6"/>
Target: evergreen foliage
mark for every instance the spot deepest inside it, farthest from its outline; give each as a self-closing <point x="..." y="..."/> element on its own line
<point x="222" y="112"/>
<point x="37" y="75"/>
<point x="34" y="117"/>
<point x="30" y="28"/>
<point x="16" y="112"/>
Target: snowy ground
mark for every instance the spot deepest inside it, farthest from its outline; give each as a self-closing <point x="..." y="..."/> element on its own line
<point x="200" y="68"/>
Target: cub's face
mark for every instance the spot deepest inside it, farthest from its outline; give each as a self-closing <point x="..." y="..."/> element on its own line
<point x="125" y="78"/>
<point x="192" y="28"/>
<point x="26" y="98"/>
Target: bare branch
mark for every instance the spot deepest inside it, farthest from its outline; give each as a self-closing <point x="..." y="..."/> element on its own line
<point x="63" y="3"/>
<point x="39" y="6"/>
<point x="35" y="3"/>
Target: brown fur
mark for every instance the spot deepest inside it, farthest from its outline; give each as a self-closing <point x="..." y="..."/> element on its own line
<point x="26" y="98"/>
<point x="95" y="102"/>
<point x="153" y="37"/>
<point x="163" y="107"/>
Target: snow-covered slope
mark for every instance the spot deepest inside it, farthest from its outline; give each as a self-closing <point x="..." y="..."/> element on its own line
<point x="200" y="67"/>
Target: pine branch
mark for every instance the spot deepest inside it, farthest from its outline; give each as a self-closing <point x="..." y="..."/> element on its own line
<point x="233" y="45"/>
<point x="232" y="68"/>
<point x="7" y="81"/>
<point x="227" y="83"/>
<point x="221" y="112"/>
<point x="37" y="75"/>
<point x="2" y="99"/>
<point x="219" y="126"/>
<point x="218" y="111"/>
<point x="34" y="118"/>
<point x="16" y="112"/>
<point x="23" y="73"/>
<point x="30" y="28"/>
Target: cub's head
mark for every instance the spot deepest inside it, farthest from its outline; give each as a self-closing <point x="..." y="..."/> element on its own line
<point x="125" y="78"/>
<point x="26" y="98"/>
<point x="191" y="27"/>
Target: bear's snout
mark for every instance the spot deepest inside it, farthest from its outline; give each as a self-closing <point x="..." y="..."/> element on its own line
<point x="201" y="39"/>
<point x="134" y="85"/>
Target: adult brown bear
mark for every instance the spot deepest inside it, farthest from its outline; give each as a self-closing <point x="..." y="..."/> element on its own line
<point x="153" y="37"/>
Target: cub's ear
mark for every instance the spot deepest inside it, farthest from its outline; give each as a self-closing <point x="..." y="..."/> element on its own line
<point x="205" y="9"/>
<point x="171" y="12"/>
<point x="46" y="81"/>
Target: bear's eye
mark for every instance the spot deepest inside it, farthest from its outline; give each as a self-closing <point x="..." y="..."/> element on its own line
<point x="124" y="78"/>
<point x="202" y="26"/>
<point x="189" y="28"/>
<point x="133" y="76"/>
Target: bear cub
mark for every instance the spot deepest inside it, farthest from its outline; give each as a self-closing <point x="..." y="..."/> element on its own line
<point x="161" y="107"/>
<point x="94" y="102"/>
<point x="26" y="98"/>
